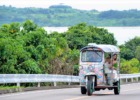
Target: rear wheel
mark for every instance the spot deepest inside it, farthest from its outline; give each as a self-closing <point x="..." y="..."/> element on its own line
<point x="83" y="90"/>
<point x="90" y="87"/>
<point x="117" y="89"/>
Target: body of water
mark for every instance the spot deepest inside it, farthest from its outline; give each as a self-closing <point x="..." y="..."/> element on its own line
<point x="122" y="34"/>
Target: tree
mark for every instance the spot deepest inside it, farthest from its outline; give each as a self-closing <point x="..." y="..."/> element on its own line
<point x="14" y="57"/>
<point x="81" y="34"/>
<point x="129" y="48"/>
<point x="29" y="26"/>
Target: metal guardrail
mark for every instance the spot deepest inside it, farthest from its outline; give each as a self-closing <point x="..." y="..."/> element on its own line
<point x="130" y="76"/>
<point x="38" y="78"/>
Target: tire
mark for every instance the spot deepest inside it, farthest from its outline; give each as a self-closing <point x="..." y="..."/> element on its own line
<point x="90" y="87"/>
<point x="117" y="89"/>
<point x="83" y="90"/>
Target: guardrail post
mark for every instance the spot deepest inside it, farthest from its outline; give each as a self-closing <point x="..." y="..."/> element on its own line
<point x="126" y="80"/>
<point x="137" y="79"/>
<point x="132" y="80"/>
<point x="69" y="83"/>
<point x="54" y="83"/>
<point x="38" y="85"/>
<point x="121" y="81"/>
<point x="18" y="84"/>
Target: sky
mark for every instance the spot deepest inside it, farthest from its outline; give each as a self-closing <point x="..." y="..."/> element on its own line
<point x="101" y="5"/>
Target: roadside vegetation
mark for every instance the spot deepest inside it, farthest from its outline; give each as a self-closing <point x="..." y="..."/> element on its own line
<point x="26" y="48"/>
<point x="8" y="87"/>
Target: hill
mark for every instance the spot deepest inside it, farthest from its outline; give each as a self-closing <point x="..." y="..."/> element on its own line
<point x="63" y="15"/>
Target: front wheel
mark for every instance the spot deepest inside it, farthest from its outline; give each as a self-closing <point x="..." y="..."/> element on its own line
<point x="90" y="87"/>
<point x="83" y="90"/>
<point x="117" y="89"/>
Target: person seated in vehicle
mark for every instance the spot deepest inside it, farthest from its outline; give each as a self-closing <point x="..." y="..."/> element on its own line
<point x="108" y="64"/>
<point x="114" y="67"/>
<point x="110" y="67"/>
<point x="111" y="63"/>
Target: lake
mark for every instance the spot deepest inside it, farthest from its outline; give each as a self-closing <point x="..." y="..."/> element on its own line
<point x="122" y="34"/>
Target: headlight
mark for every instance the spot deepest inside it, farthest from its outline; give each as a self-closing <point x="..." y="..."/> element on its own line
<point x="81" y="68"/>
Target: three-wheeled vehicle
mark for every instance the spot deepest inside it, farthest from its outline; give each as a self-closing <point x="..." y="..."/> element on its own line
<point x="97" y="68"/>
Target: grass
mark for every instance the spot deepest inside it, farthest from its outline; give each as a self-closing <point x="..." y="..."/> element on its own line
<point x="8" y="87"/>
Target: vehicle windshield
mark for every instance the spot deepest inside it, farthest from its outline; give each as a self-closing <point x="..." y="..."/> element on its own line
<point x="91" y="56"/>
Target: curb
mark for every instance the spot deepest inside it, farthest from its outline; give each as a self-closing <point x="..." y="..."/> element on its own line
<point x="18" y="89"/>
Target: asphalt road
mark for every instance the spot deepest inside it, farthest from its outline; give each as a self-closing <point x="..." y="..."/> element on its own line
<point x="128" y="92"/>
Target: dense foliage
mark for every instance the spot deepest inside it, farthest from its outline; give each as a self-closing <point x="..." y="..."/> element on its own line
<point x="131" y="49"/>
<point x="130" y="66"/>
<point x="130" y="52"/>
<point x="61" y="15"/>
<point x="27" y="48"/>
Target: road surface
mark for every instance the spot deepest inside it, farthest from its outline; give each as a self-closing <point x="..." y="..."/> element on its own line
<point x="128" y="92"/>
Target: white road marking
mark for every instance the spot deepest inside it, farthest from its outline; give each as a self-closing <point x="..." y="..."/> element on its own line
<point x="78" y="98"/>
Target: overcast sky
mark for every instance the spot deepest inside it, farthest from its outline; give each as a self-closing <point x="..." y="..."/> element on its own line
<point x="100" y="5"/>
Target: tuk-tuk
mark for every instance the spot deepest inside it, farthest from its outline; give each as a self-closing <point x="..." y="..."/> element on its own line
<point x="99" y="68"/>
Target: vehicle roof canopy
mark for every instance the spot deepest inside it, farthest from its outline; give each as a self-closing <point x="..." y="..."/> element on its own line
<point x="105" y="47"/>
